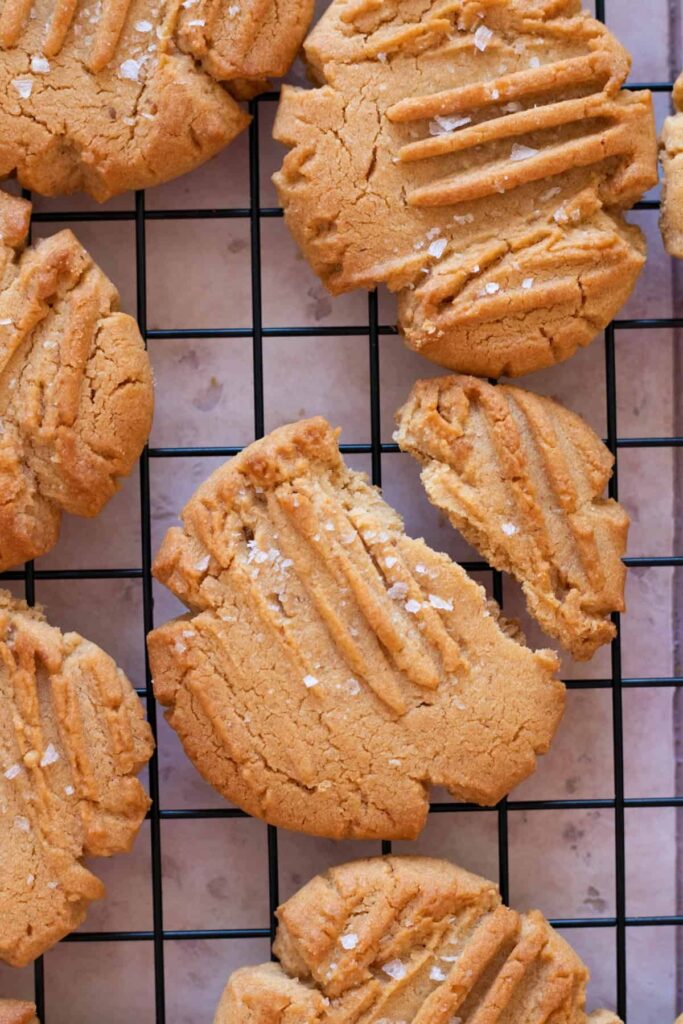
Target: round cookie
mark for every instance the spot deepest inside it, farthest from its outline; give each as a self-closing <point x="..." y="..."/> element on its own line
<point x="476" y="157"/>
<point x="410" y="939"/>
<point x="72" y="739"/>
<point x="332" y="668"/>
<point x="76" y="392"/>
<point x="14" y="1011"/>
<point x="523" y="480"/>
<point x="107" y="95"/>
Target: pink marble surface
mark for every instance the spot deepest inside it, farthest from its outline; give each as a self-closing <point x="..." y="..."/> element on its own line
<point x="215" y="871"/>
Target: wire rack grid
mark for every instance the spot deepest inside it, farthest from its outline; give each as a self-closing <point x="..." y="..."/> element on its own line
<point x="620" y="922"/>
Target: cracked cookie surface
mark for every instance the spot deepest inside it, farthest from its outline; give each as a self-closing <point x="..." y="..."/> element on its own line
<point x="671" y="156"/>
<point x="523" y="478"/>
<point x="331" y="668"/>
<point x="76" y="391"/>
<point x="396" y="939"/>
<point x="15" y="1011"/>
<point x="107" y="95"/>
<point x="477" y="158"/>
<point x="72" y="739"/>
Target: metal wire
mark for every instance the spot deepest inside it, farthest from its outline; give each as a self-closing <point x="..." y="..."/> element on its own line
<point x="620" y="922"/>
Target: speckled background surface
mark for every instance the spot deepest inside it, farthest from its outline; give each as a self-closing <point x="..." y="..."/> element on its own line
<point x="215" y="871"/>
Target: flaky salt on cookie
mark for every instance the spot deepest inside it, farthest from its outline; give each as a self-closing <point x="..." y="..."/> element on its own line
<point x="523" y="479"/>
<point x="72" y="739"/>
<point x="15" y="1011"/>
<point x="410" y="939"/>
<point x="123" y="94"/>
<point x="332" y="669"/>
<point x="76" y="392"/>
<point x="477" y="158"/>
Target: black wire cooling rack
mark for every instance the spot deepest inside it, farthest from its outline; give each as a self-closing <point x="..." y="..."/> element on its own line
<point x="616" y="683"/>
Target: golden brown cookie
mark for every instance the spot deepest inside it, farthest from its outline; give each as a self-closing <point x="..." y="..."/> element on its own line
<point x="72" y="739"/>
<point x="523" y="480"/>
<point x="13" y="1011"/>
<point x="671" y="156"/>
<point x="409" y="939"/>
<point x="332" y="668"/>
<point x="76" y="391"/>
<point x="122" y="94"/>
<point x="475" y="156"/>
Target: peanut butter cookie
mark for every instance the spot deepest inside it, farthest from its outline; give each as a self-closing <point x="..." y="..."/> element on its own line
<point x="671" y="156"/>
<point x="332" y="668"/>
<point x="410" y="939"/>
<point x="12" y="1011"/>
<point x="476" y="156"/>
<point x="72" y="739"/>
<point x="76" y="390"/>
<point x="107" y="95"/>
<point x="523" y="478"/>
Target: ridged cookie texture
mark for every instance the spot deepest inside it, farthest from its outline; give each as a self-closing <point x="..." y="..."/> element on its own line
<point x="476" y="156"/>
<point x="523" y="480"/>
<point x="72" y="739"/>
<point x="332" y="668"/>
<point x="400" y="939"/>
<point x="671" y="156"/>
<point x="14" y="1011"/>
<point x="76" y="392"/>
<point x="107" y="95"/>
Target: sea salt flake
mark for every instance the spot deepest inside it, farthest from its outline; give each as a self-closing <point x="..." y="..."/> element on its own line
<point x="13" y="771"/>
<point x="513" y="108"/>
<point x="432" y="233"/>
<point x="390" y="562"/>
<point x="40" y="66"/>
<point x="197" y="23"/>
<point x="69" y="790"/>
<point x="130" y="69"/>
<point x="398" y="591"/>
<point x="50" y="756"/>
<point x="534" y="62"/>
<point x="522" y="152"/>
<point x="528" y="283"/>
<point x="482" y="37"/>
<point x="446" y="125"/>
<point x="144" y="26"/>
<point x="491" y="288"/>
<point x="495" y="95"/>
<point x="413" y="606"/>
<point x="24" y="87"/>
<point x="463" y="218"/>
<point x="310" y="681"/>
<point x="382" y="57"/>
<point x="438" y="602"/>
<point x="448" y="959"/>
<point x="437" y="248"/>
<point x="352" y="685"/>
<point x="49" y="344"/>
<point x="130" y="121"/>
<point x="436" y="974"/>
<point x="349" y="941"/>
<point x="396" y="969"/>
<point x="234" y="10"/>
<point x="394" y="761"/>
<point x="420" y="568"/>
<point x="509" y="529"/>
<point x="203" y="564"/>
<point x="551" y="193"/>
<point x="53" y="885"/>
<point x="23" y="824"/>
<point x="6" y="321"/>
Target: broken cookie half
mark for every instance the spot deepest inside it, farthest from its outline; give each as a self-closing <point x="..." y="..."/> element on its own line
<point x="410" y="939"/>
<point x="477" y="158"/>
<point x="16" y="1011"/>
<point x="332" y="669"/>
<point x="522" y="478"/>
<point x="76" y="393"/>
<point x="123" y="94"/>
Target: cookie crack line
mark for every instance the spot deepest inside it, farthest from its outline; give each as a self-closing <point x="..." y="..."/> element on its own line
<point x="410" y="939"/>
<point x="332" y="668"/>
<point x="114" y="96"/>
<point x="76" y="392"/>
<point x="497" y="127"/>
